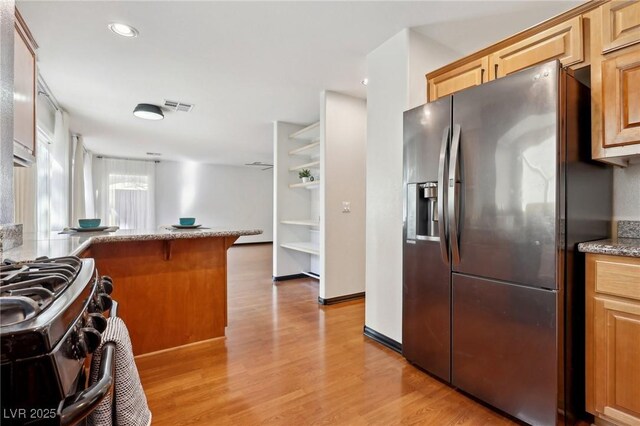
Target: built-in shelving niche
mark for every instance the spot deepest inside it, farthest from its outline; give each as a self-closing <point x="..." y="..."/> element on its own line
<point x="303" y="152"/>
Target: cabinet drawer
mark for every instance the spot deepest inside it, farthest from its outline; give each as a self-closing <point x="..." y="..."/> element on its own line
<point x="563" y="42"/>
<point x="621" y="98"/>
<point x="620" y="24"/>
<point x="470" y="74"/>
<point x="618" y="279"/>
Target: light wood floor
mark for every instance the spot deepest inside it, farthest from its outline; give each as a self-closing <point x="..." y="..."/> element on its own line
<point x="286" y="360"/>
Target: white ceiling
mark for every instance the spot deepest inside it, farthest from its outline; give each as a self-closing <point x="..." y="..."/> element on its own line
<point x="243" y="64"/>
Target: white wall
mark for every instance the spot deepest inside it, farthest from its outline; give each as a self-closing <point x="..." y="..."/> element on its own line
<point x="342" y="178"/>
<point x="626" y="193"/>
<point x="218" y="196"/>
<point x="396" y="72"/>
<point x="425" y="55"/>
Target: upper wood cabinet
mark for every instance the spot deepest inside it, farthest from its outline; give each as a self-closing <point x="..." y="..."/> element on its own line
<point x="604" y="35"/>
<point x="615" y="81"/>
<point x="613" y="338"/>
<point x="621" y="99"/>
<point x="470" y="74"/>
<point x="620" y="24"/>
<point x="563" y="42"/>
<point x="24" y="91"/>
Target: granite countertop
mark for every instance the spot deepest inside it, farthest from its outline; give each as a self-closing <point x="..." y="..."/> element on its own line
<point x="627" y="243"/>
<point x="56" y="245"/>
<point x="629" y="247"/>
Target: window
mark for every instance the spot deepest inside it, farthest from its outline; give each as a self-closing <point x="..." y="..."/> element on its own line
<point x="128" y="200"/>
<point x="125" y="192"/>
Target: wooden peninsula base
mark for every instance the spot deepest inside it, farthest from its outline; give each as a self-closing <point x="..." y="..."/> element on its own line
<point x="169" y="292"/>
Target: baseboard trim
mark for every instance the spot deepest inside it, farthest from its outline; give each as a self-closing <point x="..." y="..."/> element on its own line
<point x="383" y="340"/>
<point x="175" y="348"/>
<point x="311" y="274"/>
<point x="288" y="277"/>
<point x="334" y="300"/>
<point x="251" y="243"/>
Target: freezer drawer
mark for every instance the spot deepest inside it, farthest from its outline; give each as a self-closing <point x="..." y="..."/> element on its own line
<point x="504" y="346"/>
<point x="426" y="305"/>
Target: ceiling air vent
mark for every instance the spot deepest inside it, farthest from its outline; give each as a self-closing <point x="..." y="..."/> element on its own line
<point x="178" y="106"/>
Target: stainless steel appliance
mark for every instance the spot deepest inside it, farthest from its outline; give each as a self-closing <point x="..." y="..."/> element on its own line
<point x="492" y="295"/>
<point x="50" y="322"/>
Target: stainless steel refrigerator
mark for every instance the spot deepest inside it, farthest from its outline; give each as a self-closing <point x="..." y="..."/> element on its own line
<point x="499" y="188"/>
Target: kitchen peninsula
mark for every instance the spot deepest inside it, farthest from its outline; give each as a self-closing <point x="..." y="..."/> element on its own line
<point x="171" y="285"/>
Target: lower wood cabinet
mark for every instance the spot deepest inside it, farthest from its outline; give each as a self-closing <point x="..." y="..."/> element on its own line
<point x="613" y="338"/>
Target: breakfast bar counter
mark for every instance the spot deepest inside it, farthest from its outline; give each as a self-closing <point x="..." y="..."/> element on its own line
<point x="56" y="244"/>
<point x="171" y="285"/>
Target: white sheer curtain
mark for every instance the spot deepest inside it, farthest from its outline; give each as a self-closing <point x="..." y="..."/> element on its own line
<point x="125" y="192"/>
<point x="89" y="192"/>
<point x="60" y="172"/>
<point x="78" y="207"/>
<point x="43" y="168"/>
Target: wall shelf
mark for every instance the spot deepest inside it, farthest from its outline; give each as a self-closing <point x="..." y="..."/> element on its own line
<point x="311" y="132"/>
<point x="311" y="165"/>
<point x="306" y="149"/>
<point x="309" y="185"/>
<point x="301" y="222"/>
<point x="305" y="247"/>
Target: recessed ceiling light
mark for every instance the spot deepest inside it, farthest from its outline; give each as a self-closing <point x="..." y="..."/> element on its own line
<point x="148" y="112"/>
<point x="123" y="29"/>
<point x="365" y="81"/>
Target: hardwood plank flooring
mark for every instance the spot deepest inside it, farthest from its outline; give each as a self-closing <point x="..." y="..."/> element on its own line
<point x="286" y="360"/>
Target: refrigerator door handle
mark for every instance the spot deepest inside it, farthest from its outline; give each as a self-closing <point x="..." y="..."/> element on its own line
<point x="454" y="189"/>
<point x="442" y="228"/>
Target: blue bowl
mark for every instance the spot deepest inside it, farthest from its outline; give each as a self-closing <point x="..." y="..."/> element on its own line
<point x="187" y="221"/>
<point x="89" y="223"/>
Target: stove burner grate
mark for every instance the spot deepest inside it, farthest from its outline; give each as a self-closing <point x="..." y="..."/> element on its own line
<point x="27" y="288"/>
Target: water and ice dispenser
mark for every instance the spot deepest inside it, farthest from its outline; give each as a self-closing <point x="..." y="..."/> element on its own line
<point x="422" y="211"/>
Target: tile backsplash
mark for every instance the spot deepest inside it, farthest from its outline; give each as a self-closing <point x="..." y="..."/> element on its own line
<point x="626" y="193"/>
<point x="628" y="229"/>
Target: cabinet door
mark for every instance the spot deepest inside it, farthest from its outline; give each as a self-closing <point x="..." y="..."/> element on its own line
<point x="620" y="24"/>
<point x="24" y="92"/>
<point x="617" y="359"/>
<point x="470" y="74"/>
<point x="621" y="99"/>
<point x="563" y="42"/>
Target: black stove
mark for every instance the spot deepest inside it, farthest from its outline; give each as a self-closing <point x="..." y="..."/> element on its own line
<point x="50" y="322"/>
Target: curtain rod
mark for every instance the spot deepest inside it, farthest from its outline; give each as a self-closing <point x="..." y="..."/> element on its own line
<point x="46" y="95"/>
<point x="43" y="89"/>
<point x="122" y="158"/>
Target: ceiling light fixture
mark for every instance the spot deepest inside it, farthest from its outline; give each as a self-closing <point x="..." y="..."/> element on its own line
<point x="365" y="81"/>
<point x="148" y="112"/>
<point x="123" y="30"/>
<point x="266" y="166"/>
